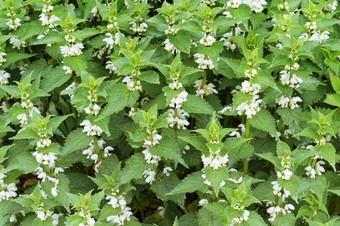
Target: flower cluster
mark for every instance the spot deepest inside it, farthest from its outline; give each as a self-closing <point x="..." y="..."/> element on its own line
<point x="91" y="130"/>
<point x="94" y="152"/>
<point x="204" y="61"/>
<point x="118" y="202"/>
<point x="177" y="117"/>
<point x="249" y="107"/>
<point x="214" y="160"/>
<point x="7" y="191"/>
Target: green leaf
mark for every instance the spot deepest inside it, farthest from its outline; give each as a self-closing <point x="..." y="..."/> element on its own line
<point x="53" y="79"/>
<point x="215" y="177"/>
<point x="327" y="151"/>
<point x="206" y="218"/>
<point x="119" y="98"/>
<point x="76" y="140"/>
<point x="14" y="57"/>
<point x="198" y="105"/>
<point x="25" y="162"/>
<point x="333" y="99"/>
<point x="77" y="64"/>
<point x="190" y="183"/>
<point x="134" y="169"/>
<point x="163" y="187"/>
<point x="169" y="150"/>
<point x="264" y="121"/>
<point x="181" y="41"/>
<point x="3" y="151"/>
<point x="197" y="141"/>
<point x="150" y="77"/>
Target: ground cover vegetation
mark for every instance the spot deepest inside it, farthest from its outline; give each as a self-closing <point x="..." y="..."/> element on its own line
<point x="184" y="112"/>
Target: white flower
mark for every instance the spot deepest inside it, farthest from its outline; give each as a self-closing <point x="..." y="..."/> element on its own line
<point x="54" y="191"/>
<point x="177" y="101"/>
<point x="150" y="158"/>
<point x="318" y="168"/>
<point x="132" y="84"/>
<point x="205" y="90"/>
<point x="111" y="67"/>
<point x="91" y="130"/>
<point x="46" y="158"/>
<point x="14" y="24"/>
<point x="94" y="11"/>
<point x="331" y="6"/>
<point x="234" y="3"/>
<point x="225" y="109"/>
<point x="68" y="70"/>
<point x="177" y="117"/>
<point x="111" y="41"/>
<point x="319" y="36"/>
<point x="171" y="30"/>
<point x="273" y="211"/>
<point x="249" y="88"/>
<point x="17" y="43"/>
<point x="92" y="109"/>
<point x="292" y="80"/>
<point x="238" y="220"/>
<point x="13" y="218"/>
<point x="73" y="49"/>
<point x="214" y="160"/>
<point x="44" y="143"/>
<point x="249" y="108"/>
<point x="255" y="5"/>
<point x="203" y="201"/>
<point x="250" y="73"/>
<point x="288" y="102"/>
<point x="204" y="62"/>
<point x="235" y="181"/>
<point x="2" y="59"/>
<point x="4" y="76"/>
<point x="149" y="175"/>
<point x="7" y="190"/>
<point x="289" y="207"/>
<point x="48" y="20"/>
<point x="207" y="40"/>
<point x="152" y="140"/>
<point x="55" y="218"/>
<point x="169" y="47"/>
<point x="161" y="210"/>
<point x="285" y="174"/>
<point x="311" y="25"/>
<point x="138" y="27"/>
<point x="167" y="170"/>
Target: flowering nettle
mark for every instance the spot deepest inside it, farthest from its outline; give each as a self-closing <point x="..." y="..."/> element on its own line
<point x="146" y="112"/>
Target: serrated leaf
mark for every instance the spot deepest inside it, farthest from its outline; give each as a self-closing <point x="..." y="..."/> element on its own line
<point x="134" y="168"/>
<point x="198" y="105"/>
<point x="264" y="121"/>
<point x="190" y="183"/>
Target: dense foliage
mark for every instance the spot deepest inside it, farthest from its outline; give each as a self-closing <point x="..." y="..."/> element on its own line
<point x="191" y="112"/>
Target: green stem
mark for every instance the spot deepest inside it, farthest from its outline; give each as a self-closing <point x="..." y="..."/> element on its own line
<point x="247" y="135"/>
<point x="247" y="132"/>
<point x="245" y="165"/>
<point x="313" y="163"/>
<point x="204" y="79"/>
<point x="280" y="126"/>
<point x="96" y="147"/>
<point x="280" y="201"/>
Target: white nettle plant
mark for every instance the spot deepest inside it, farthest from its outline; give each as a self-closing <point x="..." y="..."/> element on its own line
<point x="162" y="113"/>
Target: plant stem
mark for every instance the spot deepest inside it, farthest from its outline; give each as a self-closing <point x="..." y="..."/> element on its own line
<point x="204" y="79"/>
<point x="247" y="132"/>
<point x="96" y="147"/>
<point x="280" y="126"/>
<point x="246" y="135"/>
